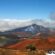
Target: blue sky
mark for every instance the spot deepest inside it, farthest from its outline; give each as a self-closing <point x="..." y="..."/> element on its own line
<point x="19" y="13"/>
<point x="23" y="9"/>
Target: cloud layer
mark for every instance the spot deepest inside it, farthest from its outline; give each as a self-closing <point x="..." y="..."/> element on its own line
<point x="52" y="16"/>
<point x="7" y="24"/>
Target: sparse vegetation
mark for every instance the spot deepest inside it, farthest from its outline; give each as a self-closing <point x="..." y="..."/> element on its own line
<point x="31" y="49"/>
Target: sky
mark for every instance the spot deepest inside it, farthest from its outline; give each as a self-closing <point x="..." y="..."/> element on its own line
<point x="17" y="13"/>
<point x="23" y="9"/>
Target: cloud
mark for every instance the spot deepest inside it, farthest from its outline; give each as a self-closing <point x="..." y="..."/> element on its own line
<point x="52" y="16"/>
<point x="8" y="24"/>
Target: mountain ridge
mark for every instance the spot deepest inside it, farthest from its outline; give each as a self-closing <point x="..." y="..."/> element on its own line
<point x="34" y="28"/>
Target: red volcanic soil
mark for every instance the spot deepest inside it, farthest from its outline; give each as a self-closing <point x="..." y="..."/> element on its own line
<point x="22" y="44"/>
<point x="46" y="44"/>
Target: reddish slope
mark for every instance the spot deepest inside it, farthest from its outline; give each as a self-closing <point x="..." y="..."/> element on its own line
<point x="23" y="44"/>
<point x="39" y="43"/>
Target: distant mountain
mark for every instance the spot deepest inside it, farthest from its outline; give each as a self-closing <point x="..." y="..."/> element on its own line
<point x="33" y="29"/>
<point x="15" y="35"/>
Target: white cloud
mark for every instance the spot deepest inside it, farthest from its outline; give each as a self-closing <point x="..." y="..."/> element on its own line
<point x="7" y="24"/>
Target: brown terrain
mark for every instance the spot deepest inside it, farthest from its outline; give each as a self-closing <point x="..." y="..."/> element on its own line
<point x="39" y="43"/>
<point x="4" y="51"/>
<point x="42" y="46"/>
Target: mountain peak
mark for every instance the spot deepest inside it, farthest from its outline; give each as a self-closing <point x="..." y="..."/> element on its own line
<point x="33" y="24"/>
<point x="34" y="28"/>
